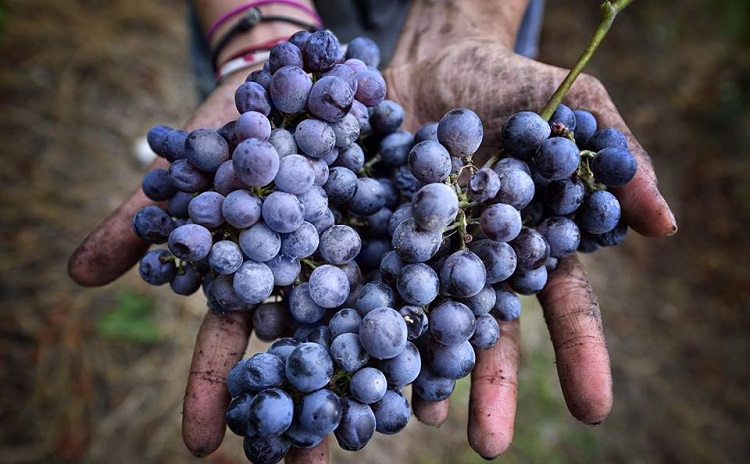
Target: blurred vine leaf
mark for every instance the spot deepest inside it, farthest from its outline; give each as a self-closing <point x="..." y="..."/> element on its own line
<point x="130" y="320"/>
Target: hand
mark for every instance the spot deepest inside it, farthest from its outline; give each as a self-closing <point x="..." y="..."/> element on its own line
<point x="485" y="76"/>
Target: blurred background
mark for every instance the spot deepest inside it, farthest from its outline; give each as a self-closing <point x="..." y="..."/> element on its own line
<point x="97" y="375"/>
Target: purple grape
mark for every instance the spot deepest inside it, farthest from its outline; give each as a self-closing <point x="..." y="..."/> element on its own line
<point x="499" y="259"/>
<point x="191" y="242"/>
<point x="460" y="131"/>
<point x="557" y="158"/>
<point x="614" y="166"/>
<point x="289" y="88"/>
<point x="206" y="209"/>
<point x="322" y="50"/>
<point x="562" y="235"/>
<point x="429" y="161"/>
<point x="301" y="243"/>
<point x="314" y="137"/>
<point x="188" y="178"/>
<point x="256" y="162"/>
<point x="252" y="96"/>
<point x="370" y="88"/>
<point x="225" y="257"/>
<point x="296" y="174"/>
<point x="252" y="124"/>
<point x="599" y="213"/>
<point x="206" y="149"/>
<point x="241" y="209"/>
<point x="329" y="286"/>
<point x="330" y="98"/>
<point x="157" y="267"/>
<point x="387" y="117"/>
<point x="153" y="224"/>
<point x="392" y="413"/>
<point x="309" y="367"/>
<point x="523" y="133"/>
<point x="500" y="222"/>
<point x="365" y="49"/>
<point x="259" y="242"/>
<point x="157" y="185"/>
<point x="383" y="333"/>
<point x="284" y="54"/>
<point x="253" y="282"/>
<point x="283" y="212"/>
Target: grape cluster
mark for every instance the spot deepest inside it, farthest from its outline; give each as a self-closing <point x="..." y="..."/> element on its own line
<point x="371" y="258"/>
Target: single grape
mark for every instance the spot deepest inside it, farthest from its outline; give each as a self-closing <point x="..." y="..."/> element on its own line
<point x="557" y="158"/>
<point x="241" y="209"/>
<point x="500" y="222"/>
<point x="157" y="267"/>
<point x="329" y="286"/>
<point x="302" y="307"/>
<point x="415" y="244"/>
<point x="585" y="127"/>
<point x="206" y="149"/>
<point x="531" y="249"/>
<point x="191" y="242"/>
<point x="284" y="54"/>
<point x="187" y="178"/>
<point x="153" y="224"/>
<point x="309" y="367"/>
<point x="562" y="235"/>
<point x="392" y="413"/>
<point x="339" y="244"/>
<point x="357" y="425"/>
<point x="599" y="213"/>
<point x="460" y="131"/>
<point x="429" y="161"/>
<point x="283" y="212"/>
<point x="523" y="133"/>
<point x="451" y="323"/>
<point x="507" y="305"/>
<point x="454" y="361"/>
<point x="206" y="209"/>
<point x="387" y="117"/>
<point x="529" y="281"/>
<point x="259" y="242"/>
<point x="301" y="242"/>
<point x="285" y="269"/>
<point x="374" y="295"/>
<point x="607" y="137"/>
<point x="383" y="333"/>
<point x="614" y="166"/>
<point x="237" y="414"/>
<point x="371" y="88"/>
<point x="435" y="206"/>
<point x="431" y="386"/>
<point x="368" y="198"/>
<point x="499" y="259"/>
<point x="270" y="321"/>
<point x="330" y="98"/>
<point x="484" y="184"/>
<point x="225" y="257"/>
<point x="157" y="185"/>
<point x="315" y="137"/>
<point x="320" y="412"/>
<point x="256" y="162"/>
<point x="348" y="353"/>
<point x="486" y="334"/>
<point x="253" y="282"/>
<point x="270" y="412"/>
<point x="563" y="116"/>
<point x="252" y="96"/>
<point x="252" y="124"/>
<point x="321" y="51"/>
<point x="289" y="89"/>
<point x="402" y="369"/>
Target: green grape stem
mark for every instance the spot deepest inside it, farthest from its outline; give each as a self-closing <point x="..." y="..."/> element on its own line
<point x="610" y="10"/>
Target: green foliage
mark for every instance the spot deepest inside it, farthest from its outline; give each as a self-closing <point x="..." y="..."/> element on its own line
<point x="130" y="320"/>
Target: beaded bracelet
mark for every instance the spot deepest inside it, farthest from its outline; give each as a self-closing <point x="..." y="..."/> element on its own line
<point x="252" y="17"/>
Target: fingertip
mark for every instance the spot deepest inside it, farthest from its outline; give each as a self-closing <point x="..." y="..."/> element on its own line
<point x="494" y="391"/>
<point x="432" y="413"/>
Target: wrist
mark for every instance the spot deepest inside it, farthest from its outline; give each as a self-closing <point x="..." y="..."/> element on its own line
<point x="217" y="18"/>
<point x="432" y="26"/>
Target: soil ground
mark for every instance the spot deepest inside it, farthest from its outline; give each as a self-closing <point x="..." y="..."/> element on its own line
<point x="97" y="375"/>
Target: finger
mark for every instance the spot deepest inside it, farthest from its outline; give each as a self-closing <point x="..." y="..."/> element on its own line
<point x="494" y="391"/>
<point x="432" y="413"/>
<point x="575" y="326"/>
<point x="316" y="455"/>
<point x="644" y="208"/>
<point x="112" y="248"/>
<point x="220" y="344"/>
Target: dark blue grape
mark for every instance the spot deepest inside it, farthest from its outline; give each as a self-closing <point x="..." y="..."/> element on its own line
<point x="284" y="54"/>
<point x="330" y="98"/>
<point x="599" y="213"/>
<point x="153" y="224"/>
<point x="302" y="307"/>
<point x="283" y="141"/>
<point x="585" y="127"/>
<point x="225" y="257"/>
<point x="309" y="367"/>
<point x="237" y="414"/>
<point x="341" y="185"/>
<point x="188" y="178"/>
<point x="507" y="305"/>
<point x="253" y="282"/>
<point x="564" y="196"/>
<point x="177" y="206"/>
<point x="206" y="209"/>
<point x="499" y="259"/>
<point x="186" y="281"/>
<point x="374" y="295"/>
<point x="613" y="166"/>
<point x="241" y="209"/>
<point x="383" y="333"/>
<point x="155" y="138"/>
<point x="417" y="322"/>
<point x="252" y="124"/>
<point x="339" y="244"/>
<point x="516" y="187"/>
<point x="329" y="286"/>
<point x="482" y="302"/>
<point x="451" y="323"/>
<point x="320" y="412"/>
<point x="562" y="235"/>
<point x="259" y="242"/>
<point x="387" y="117"/>
<point x="564" y="116"/>
<point x="523" y="133"/>
<point x="607" y="137"/>
<point x="462" y="274"/>
<point x="282" y="348"/>
<point x="321" y="51"/>
<point x="529" y="281"/>
<point x="261" y="371"/>
<point x="368" y="198"/>
<point x="157" y="267"/>
<point x="345" y="320"/>
<point x="454" y="361"/>
<point x="500" y="222"/>
<point x="206" y="149"/>
<point x="415" y="244"/>
<point x="486" y="334"/>
<point x="460" y="131"/>
<point x="191" y="242"/>
<point x="365" y="49"/>
<point x="484" y="184"/>
<point x="301" y="242"/>
<point x="157" y="185"/>
<point x="173" y="145"/>
<point x="283" y="212"/>
<point x="348" y="353"/>
<point x="357" y="425"/>
<point x="315" y="137"/>
<point x="368" y="385"/>
<point x="392" y="413"/>
<point x="270" y="412"/>
<point x="402" y="369"/>
<point x="435" y="206"/>
<point x="266" y="450"/>
<point x="256" y="162"/>
<point x="270" y="321"/>
<point x="429" y="161"/>
<point x="252" y="96"/>
<point x="417" y="284"/>
<point x="531" y="249"/>
<point x="289" y="89"/>
<point x="557" y="158"/>
<point x="371" y="88"/>
<point x="432" y="387"/>
<point x="613" y="237"/>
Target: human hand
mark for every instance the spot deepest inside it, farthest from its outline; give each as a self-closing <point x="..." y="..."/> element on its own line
<point x="433" y="72"/>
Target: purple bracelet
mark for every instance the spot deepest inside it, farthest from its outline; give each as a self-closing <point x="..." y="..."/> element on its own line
<point x="240" y="9"/>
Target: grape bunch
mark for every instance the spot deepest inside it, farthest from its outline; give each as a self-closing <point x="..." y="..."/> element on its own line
<point x="371" y="258"/>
